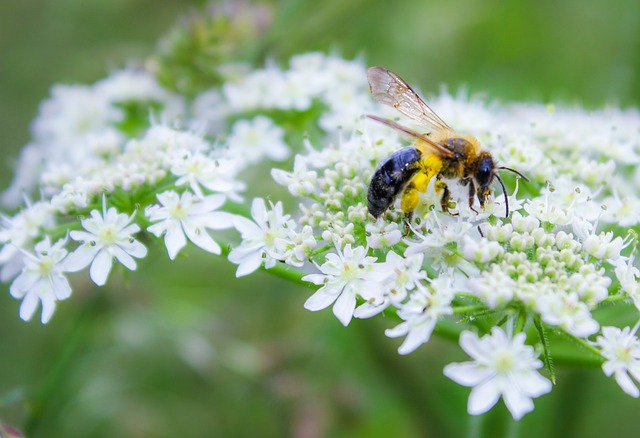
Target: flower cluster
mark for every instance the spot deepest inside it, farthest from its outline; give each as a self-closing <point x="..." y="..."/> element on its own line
<point x="548" y="267"/>
<point x="124" y="157"/>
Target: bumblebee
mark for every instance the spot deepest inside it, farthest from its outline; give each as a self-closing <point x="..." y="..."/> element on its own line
<point x="441" y="152"/>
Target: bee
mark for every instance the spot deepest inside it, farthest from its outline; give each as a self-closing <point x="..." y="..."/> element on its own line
<point x="441" y="152"/>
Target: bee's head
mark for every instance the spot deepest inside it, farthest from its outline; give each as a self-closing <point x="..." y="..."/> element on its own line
<point x="483" y="176"/>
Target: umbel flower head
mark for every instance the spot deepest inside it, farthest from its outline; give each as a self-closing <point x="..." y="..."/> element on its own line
<point x="179" y="176"/>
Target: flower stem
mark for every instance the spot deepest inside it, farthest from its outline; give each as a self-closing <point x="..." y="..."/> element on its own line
<point x="42" y="400"/>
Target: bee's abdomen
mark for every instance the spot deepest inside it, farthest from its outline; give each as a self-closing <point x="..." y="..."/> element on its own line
<point x="390" y="178"/>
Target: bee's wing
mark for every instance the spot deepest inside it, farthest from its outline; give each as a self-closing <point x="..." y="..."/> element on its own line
<point x="434" y="147"/>
<point x="390" y="89"/>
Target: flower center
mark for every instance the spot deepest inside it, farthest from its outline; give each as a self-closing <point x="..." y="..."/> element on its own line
<point x="504" y="362"/>
<point x="178" y="211"/>
<point x="349" y="271"/>
<point x="108" y="235"/>
<point x="623" y="353"/>
<point x="45" y="266"/>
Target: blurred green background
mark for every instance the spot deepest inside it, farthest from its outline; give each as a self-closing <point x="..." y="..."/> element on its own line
<point x="185" y="349"/>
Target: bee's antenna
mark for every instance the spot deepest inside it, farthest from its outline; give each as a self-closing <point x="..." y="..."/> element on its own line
<point x="504" y="192"/>
<point x="514" y="171"/>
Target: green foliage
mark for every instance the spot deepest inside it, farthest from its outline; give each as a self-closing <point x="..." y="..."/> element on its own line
<point x="187" y="349"/>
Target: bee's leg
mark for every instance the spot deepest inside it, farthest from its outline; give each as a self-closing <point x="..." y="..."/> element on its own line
<point x="445" y="198"/>
<point x="407" y="223"/>
<point x="472" y="194"/>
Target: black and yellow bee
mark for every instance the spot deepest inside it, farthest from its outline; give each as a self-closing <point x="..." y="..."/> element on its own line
<point x="441" y="152"/>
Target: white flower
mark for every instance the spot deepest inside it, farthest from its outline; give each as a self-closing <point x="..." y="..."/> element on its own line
<point x="253" y="139"/>
<point x="481" y="250"/>
<point x="502" y="367"/>
<point x="545" y="211"/>
<point x="439" y="237"/>
<point x="18" y="232"/>
<point x="259" y="237"/>
<point x="345" y="275"/>
<point x="198" y="170"/>
<point x="628" y="275"/>
<point x="42" y="280"/>
<point x="568" y="312"/>
<point x="300" y="182"/>
<point x="495" y="287"/>
<point x="404" y="275"/>
<point x="604" y="246"/>
<point x="185" y="216"/>
<point x="383" y="235"/>
<point x="107" y="236"/>
<point x="71" y="112"/>
<point x="297" y="247"/>
<point x="421" y="314"/>
<point x="621" y="350"/>
<point x="131" y="85"/>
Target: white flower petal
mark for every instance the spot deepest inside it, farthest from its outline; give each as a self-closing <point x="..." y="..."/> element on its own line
<point x="100" y="268"/>
<point x="248" y="264"/>
<point x="246" y="227"/>
<point x="23" y="283"/>
<point x="48" y="307"/>
<point x="317" y="279"/>
<point x="417" y="336"/>
<point x="80" y="258"/>
<point x="202" y="239"/>
<point x="28" y="306"/>
<point x="124" y="258"/>
<point x="627" y="385"/>
<point x="259" y="211"/>
<point x="467" y="373"/>
<point x="533" y="384"/>
<point x="344" y="306"/>
<point x="134" y="248"/>
<point x="517" y="402"/>
<point x="322" y="299"/>
<point x="399" y="330"/>
<point x="217" y="220"/>
<point x="482" y="398"/>
<point x="174" y="239"/>
<point x="61" y="287"/>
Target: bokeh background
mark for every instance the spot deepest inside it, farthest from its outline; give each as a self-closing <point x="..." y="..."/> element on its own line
<point x="184" y="348"/>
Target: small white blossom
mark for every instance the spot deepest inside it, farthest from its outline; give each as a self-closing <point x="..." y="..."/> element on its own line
<point x="254" y="139"/>
<point x="621" y="350"/>
<point x="297" y="247"/>
<point x="481" y="251"/>
<point x="405" y="275"/>
<point x="300" y="182"/>
<point x="604" y="246"/>
<point x="259" y="237"/>
<point x="42" y="280"/>
<point x="495" y="287"/>
<point x="345" y="275"/>
<point x="184" y="216"/>
<point x="19" y="232"/>
<point x="502" y="367"/>
<point x="107" y="236"/>
<point x="199" y="171"/>
<point x="628" y="276"/>
<point x="383" y="235"/>
<point x="543" y="210"/>
<point x="421" y="313"/>
<point x="568" y="312"/>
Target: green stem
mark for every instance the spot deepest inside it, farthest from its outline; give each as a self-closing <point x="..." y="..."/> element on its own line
<point x="468" y="309"/>
<point x="41" y="402"/>
<point x="287" y="272"/>
<point x="615" y="298"/>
